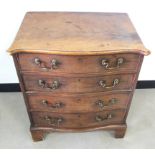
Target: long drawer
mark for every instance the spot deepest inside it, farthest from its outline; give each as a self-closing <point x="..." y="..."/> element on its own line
<point x="77" y="120"/>
<point x="78" y="84"/>
<point x="88" y="102"/>
<point x="79" y="64"/>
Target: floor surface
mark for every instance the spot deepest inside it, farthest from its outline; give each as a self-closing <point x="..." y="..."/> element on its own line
<point x="14" y="127"/>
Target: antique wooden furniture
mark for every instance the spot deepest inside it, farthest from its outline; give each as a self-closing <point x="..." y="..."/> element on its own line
<point x="77" y="71"/>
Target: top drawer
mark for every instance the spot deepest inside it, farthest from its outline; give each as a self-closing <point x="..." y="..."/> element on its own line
<point x="100" y="64"/>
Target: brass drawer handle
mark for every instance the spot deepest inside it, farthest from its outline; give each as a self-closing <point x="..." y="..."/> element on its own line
<point x="54" y="64"/>
<point x="54" y="106"/>
<point x="99" y="118"/>
<point x="105" y="63"/>
<point x="55" y="121"/>
<point x="101" y="104"/>
<point x="54" y="85"/>
<point x="102" y="83"/>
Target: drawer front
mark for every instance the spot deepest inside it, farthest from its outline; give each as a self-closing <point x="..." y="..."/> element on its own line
<point x="78" y="84"/>
<point x="79" y="64"/>
<point x="78" y="103"/>
<point x="78" y="120"/>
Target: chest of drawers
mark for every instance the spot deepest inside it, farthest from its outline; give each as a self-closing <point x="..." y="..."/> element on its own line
<point x="77" y="71"/>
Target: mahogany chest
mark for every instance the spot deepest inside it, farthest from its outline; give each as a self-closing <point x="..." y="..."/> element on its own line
<point x="77" y="71"/>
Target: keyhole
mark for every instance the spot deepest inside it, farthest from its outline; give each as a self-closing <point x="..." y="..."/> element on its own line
<point x="78" y="100"/>
<point x="80" y="59"/>
<point x="79" y="115"/>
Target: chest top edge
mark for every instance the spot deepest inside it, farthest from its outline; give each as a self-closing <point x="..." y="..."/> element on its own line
<point x="144" y="52"/>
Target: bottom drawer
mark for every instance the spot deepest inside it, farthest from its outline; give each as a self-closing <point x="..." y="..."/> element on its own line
<point x="77" y="120"/>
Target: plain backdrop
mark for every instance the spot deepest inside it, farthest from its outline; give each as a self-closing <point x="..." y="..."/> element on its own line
<point x="141" y="12"/>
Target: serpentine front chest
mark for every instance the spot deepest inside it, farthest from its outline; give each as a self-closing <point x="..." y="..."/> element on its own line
<point x="77" y="71"/>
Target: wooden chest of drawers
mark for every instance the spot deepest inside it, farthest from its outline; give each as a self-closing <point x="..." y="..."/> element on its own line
<point x="77" y="71"/>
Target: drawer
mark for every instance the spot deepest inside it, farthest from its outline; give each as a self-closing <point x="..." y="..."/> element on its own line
<point x="100" y="64"/>
<point x="90" y="102"/>
<point x="77" y="120"/>
<point x="94" y="84"/>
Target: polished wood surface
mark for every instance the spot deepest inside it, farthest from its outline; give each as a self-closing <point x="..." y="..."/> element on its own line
<point x="78" y="64"/>
<point x="78" y="120"/>
<point x="78" y="84"/>
<point x="77" y="33"/>
<point x="77" y="72"/>
<point x="72" y="103"/>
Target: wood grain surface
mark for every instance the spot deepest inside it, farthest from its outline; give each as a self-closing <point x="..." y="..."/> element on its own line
<point x="77" y="33"/>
